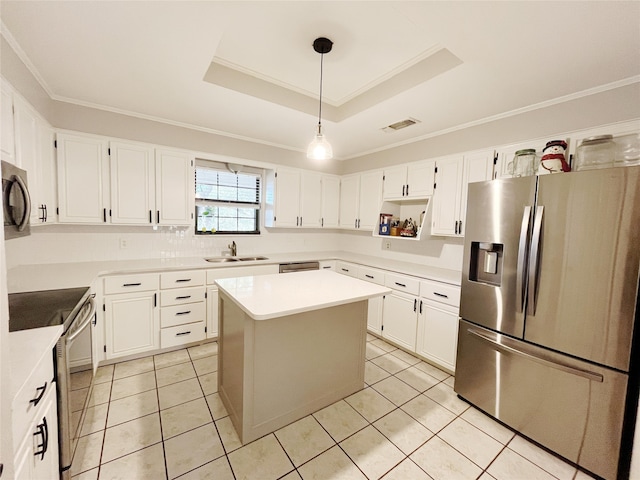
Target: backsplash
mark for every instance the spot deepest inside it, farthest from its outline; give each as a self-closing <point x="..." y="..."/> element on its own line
<point x="69" y="243"/>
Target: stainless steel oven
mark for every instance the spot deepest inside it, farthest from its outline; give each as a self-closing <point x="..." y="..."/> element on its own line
<point x="16" y="205"/>
<point x="74" y="309"/>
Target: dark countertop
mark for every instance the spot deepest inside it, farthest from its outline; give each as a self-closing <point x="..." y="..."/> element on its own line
<point x="43" y="308"/>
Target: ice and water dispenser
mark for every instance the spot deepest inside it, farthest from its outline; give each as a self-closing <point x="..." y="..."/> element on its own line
<point x="486" y="263"/>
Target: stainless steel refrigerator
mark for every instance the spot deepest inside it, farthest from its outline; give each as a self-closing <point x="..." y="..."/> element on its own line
<point x="549" y="307"/>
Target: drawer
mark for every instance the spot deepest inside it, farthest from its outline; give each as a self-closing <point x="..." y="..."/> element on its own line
<point x="346" y="268"/>
<point x="187" y="278"/>
<point x="181" y="334"/>
<point x="440" y="292"/>
<point x="24" y="404"/>
<point x="402" y="283"/>
<point x="180" y="296"/>
<point x="131" y="283"/>
<point x="181" y="314"/>
<point x="328" y="265"/>
<point x="371" y="275"/>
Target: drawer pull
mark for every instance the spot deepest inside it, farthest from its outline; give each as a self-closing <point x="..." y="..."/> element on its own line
<point x="368" y="276"/>
<point x="440" y="295"/>
<point x="43" y="430"/>
<point x="40" y="394"/>
<point x="183" y="333"/>
<point x="183" y="313"/>
<point x="184" y="297"/>
<point x="131" y="284"/>
<point x="344" y="269"/>
<point x="183" y="280"/>
<point x="327" y="266"/>
<point x="401" y="285"/>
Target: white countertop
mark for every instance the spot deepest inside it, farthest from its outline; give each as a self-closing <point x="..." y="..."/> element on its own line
<point x="265" y="297"/>
<point x="28" y="349"/>
<point x="27" y="278"/>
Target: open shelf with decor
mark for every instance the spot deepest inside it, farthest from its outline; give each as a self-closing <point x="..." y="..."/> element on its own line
<point x="401" y="210"/>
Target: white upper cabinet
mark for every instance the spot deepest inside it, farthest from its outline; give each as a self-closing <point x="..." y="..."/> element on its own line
<point x="83" y="174"/>
<point x="301" y="198"/>
<point x="175" y="187"/>
<point x="360" y="199"/>
<point x="370" y="199"/>
<point x="330" y="201"/>
<point x="453" y="176"/>
<point x="46" y="196"/>
<point x="7" y="139"/>
<point x="349" y="194"/>
<point x="410" y="181"/>
<point x="287" y="197"/>
<point x="132" y="183"/>
<point x="311" y="200"/>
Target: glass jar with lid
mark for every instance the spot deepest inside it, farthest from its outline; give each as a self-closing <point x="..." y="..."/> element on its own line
<point x="595" y="152"/>
<point x="524" y="163"/>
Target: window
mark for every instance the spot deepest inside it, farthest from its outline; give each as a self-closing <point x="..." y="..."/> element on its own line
<point x="227" y="202"/>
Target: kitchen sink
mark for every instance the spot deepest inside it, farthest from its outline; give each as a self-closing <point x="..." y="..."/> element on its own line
<point x="233" y="259"/>
<point x="221" y="259"/>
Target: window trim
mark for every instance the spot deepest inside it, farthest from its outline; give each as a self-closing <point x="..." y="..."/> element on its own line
<point x="258" y="206"/>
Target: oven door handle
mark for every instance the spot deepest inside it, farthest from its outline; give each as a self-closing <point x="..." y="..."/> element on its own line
<point x="24" y="221"/>
<point x="85" y="322"/>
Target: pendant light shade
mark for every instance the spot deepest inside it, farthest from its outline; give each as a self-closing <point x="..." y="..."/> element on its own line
<point x="320" y="148"/>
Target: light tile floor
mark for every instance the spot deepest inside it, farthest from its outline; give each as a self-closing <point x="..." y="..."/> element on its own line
<point x="161" y="417"/>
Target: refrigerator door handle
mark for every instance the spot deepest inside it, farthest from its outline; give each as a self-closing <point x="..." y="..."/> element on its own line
<point x="534" y="261"/>
<point x="503" y="344"/>
<point x="522" y="258"/>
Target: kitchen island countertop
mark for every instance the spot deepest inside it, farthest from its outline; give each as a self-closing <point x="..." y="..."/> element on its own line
<point x="265" y="297"/>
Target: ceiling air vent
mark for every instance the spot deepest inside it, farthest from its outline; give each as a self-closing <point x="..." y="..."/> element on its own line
<point x="401" y="124"/>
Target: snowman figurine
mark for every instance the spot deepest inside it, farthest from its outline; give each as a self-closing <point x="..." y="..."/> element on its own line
<point x="553" y="160"/>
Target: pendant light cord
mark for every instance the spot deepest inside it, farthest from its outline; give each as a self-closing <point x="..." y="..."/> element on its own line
<point x="320" y="109"/>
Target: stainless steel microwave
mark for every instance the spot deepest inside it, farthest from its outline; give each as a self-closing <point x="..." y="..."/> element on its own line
<point x="16" y="203"/>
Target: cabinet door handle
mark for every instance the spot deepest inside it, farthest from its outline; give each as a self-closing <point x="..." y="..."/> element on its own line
<point x="150" y="216"/>
<point x="440" y="295"/>
<point x="43" y="430"/>
<point x="407" y="189"/>
<point x="368" y="276"/>
<point x="420" y="307"/>
<point x="39" y="394"/>
<point x="183" y="297"/>
<point x="401" y="285"/>
<point x="183" y="280"/>
<point x="46" y="213"/>
<point x="415" y="304"/>
<point x="355" y="223"/>
<point x="403" y="187"/>
<point x="460" y="228"/>
<point x="183" y="313"/>
<point x="104" y="215"/>
<point x="131" y="284"/>
<point x="158" y="217"/>
<point x="179" y="334"/>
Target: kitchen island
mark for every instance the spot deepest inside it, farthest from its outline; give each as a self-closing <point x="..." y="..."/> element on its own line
<point x="289" y="345"/>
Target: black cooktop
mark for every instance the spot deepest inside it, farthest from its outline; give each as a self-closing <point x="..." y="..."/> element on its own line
<point x="44" y="308"/>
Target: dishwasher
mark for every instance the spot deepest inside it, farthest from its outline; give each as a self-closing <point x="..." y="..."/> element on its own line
<point x="298" y="266"/>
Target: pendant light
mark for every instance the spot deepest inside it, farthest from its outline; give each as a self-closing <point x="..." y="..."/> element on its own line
<point x="320" y="148"/>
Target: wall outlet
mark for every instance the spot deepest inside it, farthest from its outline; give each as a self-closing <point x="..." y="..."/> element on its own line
<point x="387" y="244"/>
<point x="123" y="243"/>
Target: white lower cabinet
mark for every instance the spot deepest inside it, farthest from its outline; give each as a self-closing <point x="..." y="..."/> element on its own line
<point x="36" y="456"/>
<point x="438" y="333"/>
<point x="438" y="323"/>
<point x="132" y="323"/>
<point x="183" y="311"/>
<point x="35" y="425"/>
<point x="400" y="319"/>
<point x="212" y="311"/>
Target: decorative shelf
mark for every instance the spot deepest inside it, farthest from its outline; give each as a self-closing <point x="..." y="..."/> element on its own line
<point x="404" y="209"/>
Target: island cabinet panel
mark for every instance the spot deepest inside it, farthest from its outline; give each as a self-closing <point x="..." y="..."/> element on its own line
<point x="274" y="372"/>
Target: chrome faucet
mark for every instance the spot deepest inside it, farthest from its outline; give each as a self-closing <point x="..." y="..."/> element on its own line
<point x="234" y="248"/>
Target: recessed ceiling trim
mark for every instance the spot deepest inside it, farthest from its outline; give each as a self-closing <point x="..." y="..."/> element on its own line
<point x="414" y="73"/>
